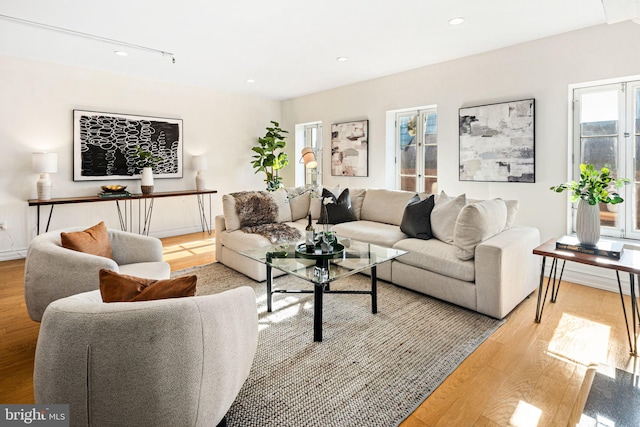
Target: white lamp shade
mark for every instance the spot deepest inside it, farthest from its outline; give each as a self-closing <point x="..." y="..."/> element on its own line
<point x="44" y="162"/>
<point x="199" y="163"/>
<point x="309" y="158"/>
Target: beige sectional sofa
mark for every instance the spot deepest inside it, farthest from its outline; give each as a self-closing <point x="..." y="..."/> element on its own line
<point x="478" y="259"/>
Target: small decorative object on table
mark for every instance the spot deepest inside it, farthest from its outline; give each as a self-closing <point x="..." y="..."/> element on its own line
<point x="595" y="186"/>
<point x="114" y="191"/>
<point x="604" y="248"/>
<point x="146" y="161"/>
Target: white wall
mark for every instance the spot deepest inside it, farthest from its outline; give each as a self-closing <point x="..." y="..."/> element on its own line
<point x="36" y="113"/>
<point x="541" y="69"/>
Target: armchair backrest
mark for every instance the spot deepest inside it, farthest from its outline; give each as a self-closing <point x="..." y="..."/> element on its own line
<point x="179" y="361"/>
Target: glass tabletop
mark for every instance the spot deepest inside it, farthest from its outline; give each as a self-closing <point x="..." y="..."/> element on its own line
<point x="357" y="256"/>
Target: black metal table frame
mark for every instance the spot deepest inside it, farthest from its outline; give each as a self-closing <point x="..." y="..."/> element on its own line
<point x="554" y="282"/>
<point x="319" y="289"/>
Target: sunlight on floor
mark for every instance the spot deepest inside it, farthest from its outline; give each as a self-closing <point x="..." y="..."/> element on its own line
<point x="525" y="415"/>
<point x="283" y="308"/>
<point x="599" y="421"/>
<point x="580" y="340"/>
<point x="188" y="249"/>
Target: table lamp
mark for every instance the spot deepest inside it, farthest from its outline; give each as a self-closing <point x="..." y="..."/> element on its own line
<point x="199" y="164"/>
<point x="44" y="164"/>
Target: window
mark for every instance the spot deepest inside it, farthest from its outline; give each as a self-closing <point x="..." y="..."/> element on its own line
<point x="606" y="132"/>
<point x="417" y="150"/>
<point x="313" y="139"/>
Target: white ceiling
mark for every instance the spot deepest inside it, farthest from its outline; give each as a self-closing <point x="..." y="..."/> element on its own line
<point x="289" y="47"/>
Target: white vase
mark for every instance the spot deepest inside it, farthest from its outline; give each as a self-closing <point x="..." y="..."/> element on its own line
<point x="588" y="223"/>
<point x="146" y="183"/>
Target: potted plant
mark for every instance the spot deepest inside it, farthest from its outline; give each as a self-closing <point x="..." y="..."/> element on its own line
<point x="595" y="187"/>
<point x="146" y="161"/>
<point x="267" y="159"/>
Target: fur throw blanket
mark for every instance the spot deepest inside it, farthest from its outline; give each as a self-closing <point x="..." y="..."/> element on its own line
<point x="275" y="232"/>
<point x="258" y="214"/>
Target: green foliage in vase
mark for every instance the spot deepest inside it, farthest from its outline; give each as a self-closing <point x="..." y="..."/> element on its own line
<point x="267" y="159"/>
<point x="145" y="158"/>
<point x="595" y="186"/>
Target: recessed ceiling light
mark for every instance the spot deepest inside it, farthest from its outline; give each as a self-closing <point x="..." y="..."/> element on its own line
<point x="456" y="21"/>
<point x="120" y="53"/>
<point x="342" y="59"/>
<point x="250" y="81"/>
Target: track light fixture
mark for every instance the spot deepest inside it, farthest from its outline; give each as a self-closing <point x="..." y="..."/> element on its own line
<point x="88" y="36"/>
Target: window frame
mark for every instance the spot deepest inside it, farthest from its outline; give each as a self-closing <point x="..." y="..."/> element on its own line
<point x="422" y="115"/>
<point x="626" y="140"/>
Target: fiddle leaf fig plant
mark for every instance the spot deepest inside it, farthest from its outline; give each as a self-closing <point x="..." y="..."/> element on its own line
<point x="268" y="158"/>
<point x="595" y="186"/>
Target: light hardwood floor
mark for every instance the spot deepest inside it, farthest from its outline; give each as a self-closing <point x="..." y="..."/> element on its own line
<point x="525" y="374"/>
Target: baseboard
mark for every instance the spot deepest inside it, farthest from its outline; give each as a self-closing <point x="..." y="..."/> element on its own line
<point x="594" y="277"/>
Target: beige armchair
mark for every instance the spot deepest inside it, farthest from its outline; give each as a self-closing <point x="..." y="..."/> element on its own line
<point x="171" y="362"/>
<point x="53" y="272"/>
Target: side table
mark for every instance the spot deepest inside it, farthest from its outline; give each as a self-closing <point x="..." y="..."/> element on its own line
<point x="629" y="262"/>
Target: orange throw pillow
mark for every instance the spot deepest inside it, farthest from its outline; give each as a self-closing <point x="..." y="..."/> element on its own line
<point x="115" y="287"/>
<point x="94" y="240"/>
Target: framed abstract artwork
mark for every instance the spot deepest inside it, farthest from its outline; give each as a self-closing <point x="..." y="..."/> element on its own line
<point x="350" y="148"/>
<point x="105" y="145"/>
<point x="497" y="142"/>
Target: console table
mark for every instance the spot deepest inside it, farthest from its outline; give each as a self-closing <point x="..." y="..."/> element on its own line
<point x="629" y="262"/>
<point x="125" y="211"/>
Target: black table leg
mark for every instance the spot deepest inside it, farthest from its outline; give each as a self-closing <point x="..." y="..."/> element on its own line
<point x="374" y="290"/>
<point x="634" y="314"/>
<point x="540" y="306"/>
<point x="269" y="285"/>
<point x="318" y="290"/>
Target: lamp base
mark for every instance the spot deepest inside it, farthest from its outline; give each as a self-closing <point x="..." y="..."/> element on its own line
<point x="200" y="184"/>
<point x="44" y="187"/>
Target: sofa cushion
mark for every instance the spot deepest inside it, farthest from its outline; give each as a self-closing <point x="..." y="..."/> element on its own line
<point x="116" y="287"/>
<point x="357" y="198"/>
<point x="476" y="223"/>
<point x="282" y="201"/>
<point x="94" y="240"/>
<point x="336" y="210"/>
<point x="436" y="256"/>
<point x="386" y="206"/>
<point x="240" y="241"/>
<point x="416" y="221"/>
<point x="371" y="232"/>
<point x="444" y="215"/>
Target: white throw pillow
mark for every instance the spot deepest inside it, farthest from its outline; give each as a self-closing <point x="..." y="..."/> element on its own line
<point x="298" y="202"/>
<point x="282" y="201"/>
<point x="512" y="210"/>
<point x="444" y="215"/>
<point x="476" y="223"/>
<point x="231" y="219"/>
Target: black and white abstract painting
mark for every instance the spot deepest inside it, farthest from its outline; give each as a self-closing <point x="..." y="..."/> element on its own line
<point x="350" y="148"/>
<point x="105" y="145"/>
<point x="497" y="142"/>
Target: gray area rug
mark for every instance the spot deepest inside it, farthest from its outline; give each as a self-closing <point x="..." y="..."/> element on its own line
<point x="370" y="369"/>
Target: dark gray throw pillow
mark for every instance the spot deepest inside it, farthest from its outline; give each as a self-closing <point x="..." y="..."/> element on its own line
<point x="338" y="211"/>
<point x="416" y="221"/>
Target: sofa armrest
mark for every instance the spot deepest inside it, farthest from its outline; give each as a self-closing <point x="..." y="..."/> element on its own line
<point x="220" y="227"/>
<point x="506" y="270"/>
<point x="130" y="248"/>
